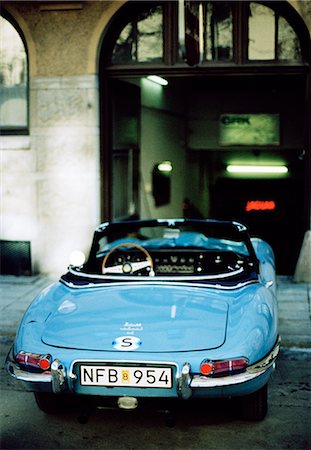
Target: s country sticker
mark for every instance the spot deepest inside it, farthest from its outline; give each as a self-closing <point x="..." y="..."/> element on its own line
<point x="126" y="343"/>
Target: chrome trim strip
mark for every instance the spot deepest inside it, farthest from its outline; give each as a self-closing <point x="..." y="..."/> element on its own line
<point x="157" y="281"/>
<point x="239" y="226"/>
<point x="267" y="361"/>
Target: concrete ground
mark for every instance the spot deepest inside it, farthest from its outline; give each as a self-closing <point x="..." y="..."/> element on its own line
<point x="294" y="302"/>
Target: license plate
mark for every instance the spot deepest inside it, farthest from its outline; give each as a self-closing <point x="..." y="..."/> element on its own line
<point x="130" y="376"/>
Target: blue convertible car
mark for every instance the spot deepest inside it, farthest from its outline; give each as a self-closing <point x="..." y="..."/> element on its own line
<point x="168" y="310"/>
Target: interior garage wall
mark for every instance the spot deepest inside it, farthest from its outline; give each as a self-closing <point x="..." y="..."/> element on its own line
<point x="245" y="97"/>
<point x="160" y="137"/>
<point x="163" y="127"/>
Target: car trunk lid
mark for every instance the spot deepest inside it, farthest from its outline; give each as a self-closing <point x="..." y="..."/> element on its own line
<point x="144" y="317"/>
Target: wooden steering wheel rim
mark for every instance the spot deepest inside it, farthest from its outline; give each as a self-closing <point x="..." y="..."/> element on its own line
<point x="127" y="244"/>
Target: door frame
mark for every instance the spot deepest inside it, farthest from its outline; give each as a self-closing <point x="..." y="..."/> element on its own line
<point x="169" y="67"/>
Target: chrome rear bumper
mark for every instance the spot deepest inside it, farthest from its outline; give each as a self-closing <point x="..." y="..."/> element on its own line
<point x="57" y="375"/>
<point x="22" y="375"/>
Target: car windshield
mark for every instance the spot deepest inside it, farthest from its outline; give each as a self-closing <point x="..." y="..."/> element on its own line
<point x="195" y="249"/>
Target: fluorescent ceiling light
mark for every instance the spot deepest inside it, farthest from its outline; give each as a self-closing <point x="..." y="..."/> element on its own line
<point x="257" y="169"/>
<point x="158" y="80"/>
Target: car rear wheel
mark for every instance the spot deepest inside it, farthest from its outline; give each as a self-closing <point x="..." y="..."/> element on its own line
<point x="52" y="403"/>
<point x="254" y="406"/>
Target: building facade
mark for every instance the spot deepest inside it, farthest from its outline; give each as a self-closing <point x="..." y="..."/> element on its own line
<point x="86" y="136"/>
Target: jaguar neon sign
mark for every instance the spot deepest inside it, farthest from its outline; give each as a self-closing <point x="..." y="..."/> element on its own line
<point x="260" y="205"/>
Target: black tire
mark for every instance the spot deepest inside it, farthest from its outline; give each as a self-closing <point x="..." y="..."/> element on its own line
<point x="254" y="406"/>
<point x="52" y="403"/>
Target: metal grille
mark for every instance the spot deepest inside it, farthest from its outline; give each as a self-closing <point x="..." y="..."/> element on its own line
<point x="15" y="258"/>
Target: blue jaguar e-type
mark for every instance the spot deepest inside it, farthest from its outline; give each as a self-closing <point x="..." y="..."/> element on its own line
<point x="171" y="310"/>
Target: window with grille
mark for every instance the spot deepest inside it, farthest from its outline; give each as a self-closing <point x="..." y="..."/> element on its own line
<point x="231" y="32"/>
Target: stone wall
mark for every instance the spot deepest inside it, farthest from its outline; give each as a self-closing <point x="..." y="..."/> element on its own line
<point x="65" y="139"/>
<point x="63" y="38"/>
<point x="51" y="178"/>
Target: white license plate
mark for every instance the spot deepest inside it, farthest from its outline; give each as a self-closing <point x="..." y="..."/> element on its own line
<point x="155" y="377"/>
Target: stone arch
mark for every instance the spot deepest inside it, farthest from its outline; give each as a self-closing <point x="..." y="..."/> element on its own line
<point x="96" y="41"/>
<point x="26" y="36"/>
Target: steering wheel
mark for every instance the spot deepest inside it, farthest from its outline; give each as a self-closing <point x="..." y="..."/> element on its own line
<point x="128" y="267"/>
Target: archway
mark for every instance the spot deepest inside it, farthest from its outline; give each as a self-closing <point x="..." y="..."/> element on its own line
<point x="264" y="84"/>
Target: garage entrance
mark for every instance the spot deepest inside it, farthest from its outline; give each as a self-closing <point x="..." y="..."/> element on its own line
<point x="164" y="143"/>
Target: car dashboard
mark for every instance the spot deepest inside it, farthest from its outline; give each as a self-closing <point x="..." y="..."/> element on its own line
<point x="174" y="262"/>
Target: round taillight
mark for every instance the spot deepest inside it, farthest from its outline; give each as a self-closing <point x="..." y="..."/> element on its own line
<point x="206" y="368"/>
<point x="44" y="363"/>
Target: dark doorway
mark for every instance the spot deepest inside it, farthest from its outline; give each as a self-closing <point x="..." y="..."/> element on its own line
<point x="123" y="136"/>
<point x="272" y="211"/>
